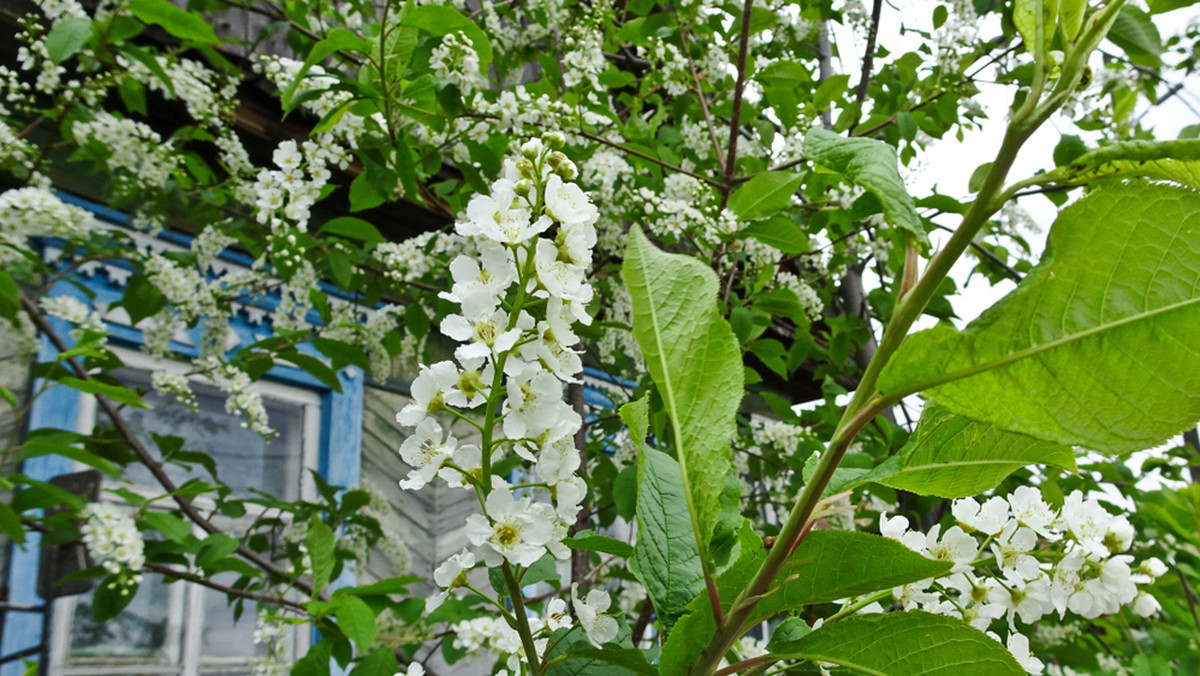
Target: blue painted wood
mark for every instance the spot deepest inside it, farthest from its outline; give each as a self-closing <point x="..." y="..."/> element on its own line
<point x="57" y="408"/>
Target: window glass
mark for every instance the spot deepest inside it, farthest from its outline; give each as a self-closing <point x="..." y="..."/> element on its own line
<point x="244" y="459"/>
<point x="144" y="632"/>
<point x="221" y="635"/>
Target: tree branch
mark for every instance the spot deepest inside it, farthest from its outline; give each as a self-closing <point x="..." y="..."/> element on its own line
<point x="735" y="118"/>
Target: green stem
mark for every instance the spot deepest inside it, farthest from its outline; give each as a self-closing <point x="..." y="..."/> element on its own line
<point x="858" y="605"/>
<point x="518" y="601"/>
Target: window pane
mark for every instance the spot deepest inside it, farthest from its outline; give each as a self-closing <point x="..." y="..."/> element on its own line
<point x="244" y="459"/>
<point x="220" y="636"/>
<point x="143" y="632"/>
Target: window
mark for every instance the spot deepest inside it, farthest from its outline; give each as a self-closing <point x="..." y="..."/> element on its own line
<point x="180" y="629"/>
<point x="186" y="629"/>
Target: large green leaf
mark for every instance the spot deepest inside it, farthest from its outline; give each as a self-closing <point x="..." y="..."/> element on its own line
<point x="443" y="20"/>
<point x="666" y="558"/>
<point x="1134" y="31"/>
<point x="1096" y="347"/>
<point x="694" y="359"/>
<point x="828" y="565"/>
<point x="904" y="644"/>
<point x="764" y="195"/>
<point x="953" y="456"/>
<point x="182" y="24"/>
<point x="872" y="165"/>
<point x="1177" y="161"/>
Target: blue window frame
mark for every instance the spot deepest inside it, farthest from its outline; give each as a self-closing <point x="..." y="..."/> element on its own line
<point x="340" y="429"/>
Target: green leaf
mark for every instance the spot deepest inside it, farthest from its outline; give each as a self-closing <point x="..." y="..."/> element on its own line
<point x="837" y="564"/>
<point x="778" y="232"/>
<point x="320" y="544"/>
<point x="110" y="598"/>
<point x="904" y="644"/>
<point x="828" y="565"/>
<point x="606" y="662"/>
<point x="380" y="662"/>
<point x="1177" y="161"/>
<point x="872" y="165"/>
<point x="1071" y="13"/>
<point x="337" y="40"/>
<point x="171" y="526"/>
<point x="354" y="228"/>
<point x="119" y="394"/>
<point x="391" y="585"/>
<point x="782" y="303"/>
<point x="696" y="364"/>
<point x="10" y="524"/>
<point x="67" y="37"/>
<point x="357" y="621"/>
<point x="1025" y="15"/>
<point x="10" y="296"/>
<point x="35" y="449"/>
<point x="665" y="559"/>
<point x="830" y="88"/>
<point x="636" y="415"/>
<point x="443" y="20"/>
<point x="1095" y="347"/>
<point x="764" y="195"/>
<point x="593" y="542"/>
<point x="216" y="547"/>
<point x="182" y="24"/>
<point x="1134" y="31"/>
<point x="314" y="367"/>
<point x="953" y="456"/>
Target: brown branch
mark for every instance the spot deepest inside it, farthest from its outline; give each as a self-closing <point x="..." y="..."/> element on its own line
<point x="735" y="117"/>
<point x="231" y="591"/>
<point x="144" y="455"/>
<point x="868" y="60"/>
<point x="712" y="130"/>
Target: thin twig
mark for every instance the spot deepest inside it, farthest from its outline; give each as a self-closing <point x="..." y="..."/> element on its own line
<point x="735" y="118"/>
<point x="231" y="591"/>
<point x="712" y="130"/>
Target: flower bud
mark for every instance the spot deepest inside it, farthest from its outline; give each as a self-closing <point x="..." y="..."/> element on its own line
<point x="555" y="140"/>
<point x="556" y="158"/>
<point x="523" y="187"/>
<point x="531" y="149"/>
<point x="526" y="168"/>
<point x="567" y="170"/>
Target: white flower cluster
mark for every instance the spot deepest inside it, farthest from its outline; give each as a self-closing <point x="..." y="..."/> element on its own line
<point x="113" y="541"/>
<point x="519" y="300"/>
<point x="210" y="97"/>
<point x="285" y="196"/>
<point x="359" y="541"/>
<point x="1034" y="562"/>
<point x="34" y="212"/>
<point x="413" y="258"/>
<point x="584" y="61"/>
<point x="455" y="61"/>
<point x="175" y="384"/>
<point x="70" y="309"/>
<point x="810" y="300"/>
<point x="134" y="151"/>
<point x="493" y="636"/>
<point x="243" y="398"/>
<point x="271" y="632"/>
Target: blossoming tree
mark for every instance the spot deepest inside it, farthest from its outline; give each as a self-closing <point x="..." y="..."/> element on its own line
<point x="692" y="199"/>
